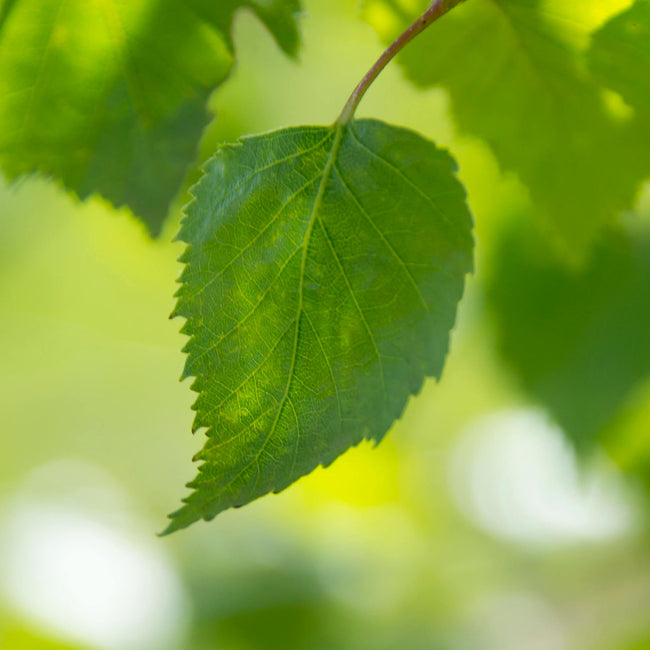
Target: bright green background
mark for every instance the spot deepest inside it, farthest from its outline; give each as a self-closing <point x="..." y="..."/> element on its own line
<point x="374" y="552"/>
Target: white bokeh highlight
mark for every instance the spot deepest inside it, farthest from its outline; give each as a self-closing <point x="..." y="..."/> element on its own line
<point x="515" y="476"/>
<point x="85" y="580"/>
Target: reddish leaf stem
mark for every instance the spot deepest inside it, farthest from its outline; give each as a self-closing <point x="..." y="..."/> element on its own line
<point x="436" y="10"/>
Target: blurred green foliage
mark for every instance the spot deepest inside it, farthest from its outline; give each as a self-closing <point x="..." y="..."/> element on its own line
<point x="110" y="97"/>
<point x="516" y="77"/>
<point x="579" y="339"/>
<point x="619" y="57"/>
<point x="15" y="636"/>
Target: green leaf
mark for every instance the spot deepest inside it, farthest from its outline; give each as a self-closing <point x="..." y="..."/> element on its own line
<point x="110" y="96"/>
<point x="579" y="340"/>
<point x="619" y="56"/>
<point x="323" y="271"/>
<point x="515" y="73"/>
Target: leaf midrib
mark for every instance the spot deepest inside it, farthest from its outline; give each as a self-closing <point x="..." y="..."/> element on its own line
<point x="303" y="262"/>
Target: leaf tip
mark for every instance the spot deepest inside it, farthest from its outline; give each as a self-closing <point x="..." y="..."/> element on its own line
<point x="181" y="518"/>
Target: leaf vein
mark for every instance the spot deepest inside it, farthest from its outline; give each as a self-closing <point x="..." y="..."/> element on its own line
<point x="250" y="244"/>
<point x="388" y="245"/>
<point x="405" y="178"/>
<point x="356" y="303"/>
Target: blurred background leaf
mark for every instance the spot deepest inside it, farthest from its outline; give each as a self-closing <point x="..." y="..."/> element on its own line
<point x="579" y="340"/>
<point x="516" y="78"/>
<point x="619" y="57"/>
<point x="110" y="97"/>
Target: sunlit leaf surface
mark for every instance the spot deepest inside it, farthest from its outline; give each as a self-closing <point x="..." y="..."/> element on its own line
<point x="323" y="270"/>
